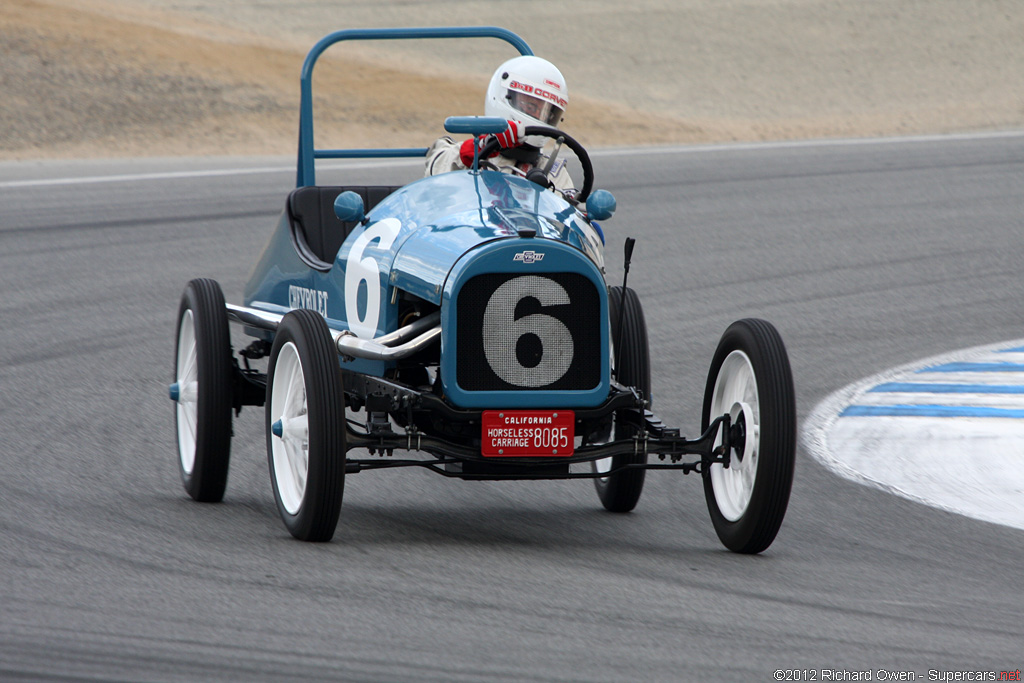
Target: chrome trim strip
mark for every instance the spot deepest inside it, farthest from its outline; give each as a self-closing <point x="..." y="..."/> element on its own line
<point x="252" y="317"/>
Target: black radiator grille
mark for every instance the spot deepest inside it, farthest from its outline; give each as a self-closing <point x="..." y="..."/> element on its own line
<point x="521" y="332"/>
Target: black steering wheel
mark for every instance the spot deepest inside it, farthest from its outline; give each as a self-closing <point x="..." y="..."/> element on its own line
<point x="537" y="175"/>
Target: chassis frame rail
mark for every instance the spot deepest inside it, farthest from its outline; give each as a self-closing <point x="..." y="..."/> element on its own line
<point x="382" y="395"/>
<point x="655" y="440"/>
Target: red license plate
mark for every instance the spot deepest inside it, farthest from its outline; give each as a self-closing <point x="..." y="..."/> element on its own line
<point x="527" y="433"/>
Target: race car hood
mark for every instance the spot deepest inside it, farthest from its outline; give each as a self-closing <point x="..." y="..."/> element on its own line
<point x="437" y="220"/>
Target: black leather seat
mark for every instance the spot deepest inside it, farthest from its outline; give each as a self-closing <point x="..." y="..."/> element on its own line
<point x="311" y="211"/>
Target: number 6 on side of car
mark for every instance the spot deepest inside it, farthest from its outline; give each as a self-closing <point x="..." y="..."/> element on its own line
<point x="463" y="320"/>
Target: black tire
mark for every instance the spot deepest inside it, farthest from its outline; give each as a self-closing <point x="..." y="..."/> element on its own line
<point x="202" y="416"/>
<point x="303" y="354"/>
<point x="748" y="501"/>
<point x="621" y="492"/>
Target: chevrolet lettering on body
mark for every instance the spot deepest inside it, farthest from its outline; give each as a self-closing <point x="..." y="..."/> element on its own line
<point x="303" y="297"/>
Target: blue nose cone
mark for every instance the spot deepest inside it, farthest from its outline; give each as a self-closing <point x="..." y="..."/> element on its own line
<point x="175" y="391"/>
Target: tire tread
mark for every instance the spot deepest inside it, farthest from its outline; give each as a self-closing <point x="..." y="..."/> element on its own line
<point x="208" y="480"/>
<point x="755" y="531"/>
<point x="317" y="519"/>
<point x="621" y="492"/>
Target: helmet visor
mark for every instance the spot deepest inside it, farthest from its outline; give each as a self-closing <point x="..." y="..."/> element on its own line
<point x="547" y="112"/>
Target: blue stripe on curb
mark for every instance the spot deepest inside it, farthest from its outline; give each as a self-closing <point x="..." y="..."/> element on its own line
<point x="930" y="411"/>
<point x="925" y="388"/>
<point x="975" y="367"/>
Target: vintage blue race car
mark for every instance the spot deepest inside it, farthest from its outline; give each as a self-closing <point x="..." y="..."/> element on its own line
<point x="463" y="319"/>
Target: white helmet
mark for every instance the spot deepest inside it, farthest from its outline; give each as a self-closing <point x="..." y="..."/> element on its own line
<point x="529" y="89"/>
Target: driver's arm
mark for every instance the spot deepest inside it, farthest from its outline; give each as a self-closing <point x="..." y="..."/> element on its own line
<point x="443" y="156"/>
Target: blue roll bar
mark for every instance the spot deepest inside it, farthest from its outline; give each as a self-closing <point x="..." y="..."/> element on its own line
<point x="308" y="154"/>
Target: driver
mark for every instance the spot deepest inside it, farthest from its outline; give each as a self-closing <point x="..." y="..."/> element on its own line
<point x="526" y="91"/>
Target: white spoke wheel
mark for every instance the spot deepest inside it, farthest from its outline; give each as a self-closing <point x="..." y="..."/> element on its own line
<point x="620" y="492"/>
<point x="202" y="391"/>
<point x="305" y="415"/>
<point x="751" y="381"/>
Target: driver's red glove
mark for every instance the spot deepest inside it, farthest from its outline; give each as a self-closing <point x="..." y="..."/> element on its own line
<point x="512" y="136"/>
<point x="466" y="153"/>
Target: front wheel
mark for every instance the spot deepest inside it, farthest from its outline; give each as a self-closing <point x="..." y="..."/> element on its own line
<point x="305" y="418"/>
<point x="750" y="379"/>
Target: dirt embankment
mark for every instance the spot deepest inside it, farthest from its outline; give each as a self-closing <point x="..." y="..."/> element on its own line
<point x="109" y="78"/>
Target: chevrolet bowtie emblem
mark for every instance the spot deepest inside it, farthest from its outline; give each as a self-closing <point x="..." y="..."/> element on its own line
<point x="529" y="256"/>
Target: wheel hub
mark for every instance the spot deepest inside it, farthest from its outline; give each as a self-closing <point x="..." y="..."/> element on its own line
<point x="738" y="430"/>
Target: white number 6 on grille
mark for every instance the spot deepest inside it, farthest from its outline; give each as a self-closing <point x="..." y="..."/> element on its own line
<point x="502" y="332"/>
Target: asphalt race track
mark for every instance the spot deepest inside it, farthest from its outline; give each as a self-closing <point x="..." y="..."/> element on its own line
<point x="866" y="256"/>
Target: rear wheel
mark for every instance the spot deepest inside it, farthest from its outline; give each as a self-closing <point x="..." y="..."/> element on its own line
<point x="750" y="379"/>
<point x="305" y="416"/>
<point x="202" y="391"/>
<point x="620" y="492"/>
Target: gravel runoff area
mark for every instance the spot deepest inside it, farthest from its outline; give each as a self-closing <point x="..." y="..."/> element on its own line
<point x="119" y="78"/>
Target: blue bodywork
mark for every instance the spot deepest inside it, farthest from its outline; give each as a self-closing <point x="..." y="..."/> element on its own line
<point x="425" y="240"/>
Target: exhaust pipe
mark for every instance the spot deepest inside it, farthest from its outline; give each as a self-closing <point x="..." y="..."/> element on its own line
<point x="401" y="343"/>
